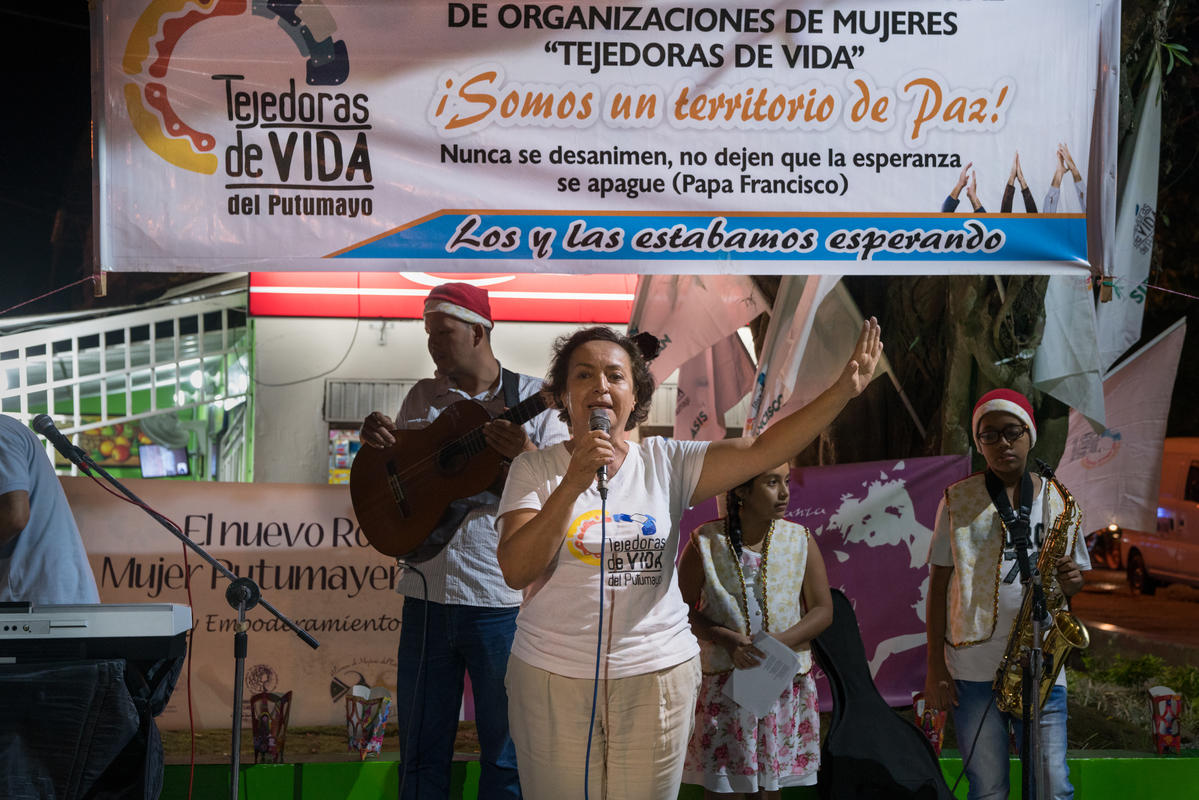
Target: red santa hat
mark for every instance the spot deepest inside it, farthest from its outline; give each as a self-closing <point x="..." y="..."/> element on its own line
<point x="1009" y="402"/>
<point x="461" y="301"/>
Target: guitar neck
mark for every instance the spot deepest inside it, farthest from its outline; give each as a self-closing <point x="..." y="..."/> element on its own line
<point x="525" y="410"/>
<point x="473" y="442"/>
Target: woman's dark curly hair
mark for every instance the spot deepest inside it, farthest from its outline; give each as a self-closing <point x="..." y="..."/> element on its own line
<point x="564" y="347"/>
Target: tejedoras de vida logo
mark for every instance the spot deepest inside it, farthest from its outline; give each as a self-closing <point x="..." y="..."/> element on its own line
<point x="289" y="139"/>
<point x="1096" y="449"/>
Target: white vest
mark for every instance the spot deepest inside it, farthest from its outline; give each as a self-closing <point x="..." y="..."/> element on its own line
<point x="977" y="536"/>
<point x="784" y="559"/>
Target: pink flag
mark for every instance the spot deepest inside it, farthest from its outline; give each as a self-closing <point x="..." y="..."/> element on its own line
<point x="690" y="313"/>
<point x="1114" y="474"/>
<point x="785" y="350"/>
<point x="814" y="327"/>
<point x="709" y="385"/>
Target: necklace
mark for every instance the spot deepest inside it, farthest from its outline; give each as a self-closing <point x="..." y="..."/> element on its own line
<point x="761" y="577"/>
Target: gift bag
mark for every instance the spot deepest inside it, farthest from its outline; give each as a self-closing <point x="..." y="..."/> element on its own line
<point x="366" y="716"/>
<point x="268" y="716"/>
<point x="931" y="721"/>
<point x="1166" y="705"/>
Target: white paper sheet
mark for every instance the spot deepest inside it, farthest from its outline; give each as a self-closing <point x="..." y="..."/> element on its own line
<point x="755" y="689"/>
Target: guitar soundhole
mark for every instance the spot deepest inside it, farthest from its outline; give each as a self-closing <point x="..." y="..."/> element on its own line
<point x="452" y="458"/>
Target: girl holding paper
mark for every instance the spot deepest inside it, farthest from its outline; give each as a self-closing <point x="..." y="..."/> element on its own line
<point x="754" y="572"/>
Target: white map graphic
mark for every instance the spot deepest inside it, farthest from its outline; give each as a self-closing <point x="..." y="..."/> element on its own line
<point x="885" y="517"/>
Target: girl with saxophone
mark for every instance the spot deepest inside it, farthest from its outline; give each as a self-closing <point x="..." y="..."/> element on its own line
<point x="975" y="595"/>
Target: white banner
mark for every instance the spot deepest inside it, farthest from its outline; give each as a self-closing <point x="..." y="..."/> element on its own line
<point x="1115" y="474"/>
<point x="300" y="543"/>
<point x="592" y="137"/>
<point x="1119" y="320"/>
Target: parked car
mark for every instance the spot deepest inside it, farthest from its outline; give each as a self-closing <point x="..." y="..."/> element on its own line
<point x="1169" y="554"/>
<point x="1103" y="546"/>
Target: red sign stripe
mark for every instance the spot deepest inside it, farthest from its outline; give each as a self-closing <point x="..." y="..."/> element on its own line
<point x="370" y="295"/>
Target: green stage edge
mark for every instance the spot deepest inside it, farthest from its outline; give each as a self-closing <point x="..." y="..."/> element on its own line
<point x="1122" y="777"/>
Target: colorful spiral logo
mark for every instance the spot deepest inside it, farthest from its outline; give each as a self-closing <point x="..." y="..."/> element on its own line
<point x="153" y="39"/>
<point x="582" y="523"/>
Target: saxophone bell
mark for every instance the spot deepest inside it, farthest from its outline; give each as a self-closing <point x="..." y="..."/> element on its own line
<point x="1072" y="630"/>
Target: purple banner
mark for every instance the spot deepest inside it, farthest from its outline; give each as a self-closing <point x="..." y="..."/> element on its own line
<point x="873" y="523"/>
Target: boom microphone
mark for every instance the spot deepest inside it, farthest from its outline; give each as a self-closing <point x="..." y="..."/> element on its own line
<point x="600" y="422"/>
<point x="45" y="426"/>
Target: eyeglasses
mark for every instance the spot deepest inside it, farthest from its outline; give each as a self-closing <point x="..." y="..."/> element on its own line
<point x="1010" y="433"/>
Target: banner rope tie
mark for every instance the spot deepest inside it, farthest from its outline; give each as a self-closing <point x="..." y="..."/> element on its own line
<point x="1172" y="291"/>
<point x="47" y="294"/>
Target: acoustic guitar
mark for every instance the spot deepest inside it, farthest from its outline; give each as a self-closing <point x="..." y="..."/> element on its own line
<point x="404" y="495"/>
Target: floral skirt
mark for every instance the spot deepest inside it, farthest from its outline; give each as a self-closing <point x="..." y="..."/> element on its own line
<point x="731" y="750"/>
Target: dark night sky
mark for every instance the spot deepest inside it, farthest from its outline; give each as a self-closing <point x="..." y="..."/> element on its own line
<point x="47" y="109"/>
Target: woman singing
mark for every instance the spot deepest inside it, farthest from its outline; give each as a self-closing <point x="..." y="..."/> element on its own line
<point x="569" y="551"/>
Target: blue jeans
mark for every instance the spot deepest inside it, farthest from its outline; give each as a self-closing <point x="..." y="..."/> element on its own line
<point x="986" y="760"/>
<point x="461" y="639"/>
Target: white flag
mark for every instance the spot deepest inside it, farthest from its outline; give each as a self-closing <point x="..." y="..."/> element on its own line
<point x="1067" y="362"/>
<point x="1102" y="158"/>
<point x="805" y="353"/>
<point x="791" y="321"/>
<point x="1119" y="320"/>
<point x="1114" y="475"/>
<point x="709" y="385"/>
<point x="690" y="313"/>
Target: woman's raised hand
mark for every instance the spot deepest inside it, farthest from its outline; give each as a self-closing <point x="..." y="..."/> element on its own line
<point x="859" y="371"/>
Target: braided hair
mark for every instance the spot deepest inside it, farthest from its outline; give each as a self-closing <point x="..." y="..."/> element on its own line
<point x="732" y="520"/>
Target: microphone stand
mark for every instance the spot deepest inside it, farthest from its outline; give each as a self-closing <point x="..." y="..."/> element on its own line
<point x="1030" y="749"/>
<point x="242" y="594"/>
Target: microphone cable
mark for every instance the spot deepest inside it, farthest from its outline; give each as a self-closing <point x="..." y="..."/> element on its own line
<point x="599" y="642"/>
<point x="191" y="634"/>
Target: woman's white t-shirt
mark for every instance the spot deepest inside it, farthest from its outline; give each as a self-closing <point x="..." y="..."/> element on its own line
<point x="645" y="625"/>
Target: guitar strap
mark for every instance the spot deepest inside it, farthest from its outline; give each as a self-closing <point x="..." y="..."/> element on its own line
<point x="510" y="383"/>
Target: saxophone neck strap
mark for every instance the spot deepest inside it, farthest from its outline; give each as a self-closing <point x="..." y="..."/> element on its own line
<point x="1015" y="522"/>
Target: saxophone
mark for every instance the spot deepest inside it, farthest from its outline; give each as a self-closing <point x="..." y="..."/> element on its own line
<point x="1063" y="633"/>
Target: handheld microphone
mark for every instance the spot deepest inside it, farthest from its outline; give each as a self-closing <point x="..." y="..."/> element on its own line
<point x="600" y="422"/>
<point x="45" y="426"/>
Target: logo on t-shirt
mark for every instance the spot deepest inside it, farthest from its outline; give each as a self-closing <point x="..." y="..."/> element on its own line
<point x="633" y="541"/>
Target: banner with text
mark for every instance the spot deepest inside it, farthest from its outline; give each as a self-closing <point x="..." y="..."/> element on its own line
<point x="855" y="138"/>
<point x="299" y="543"/>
